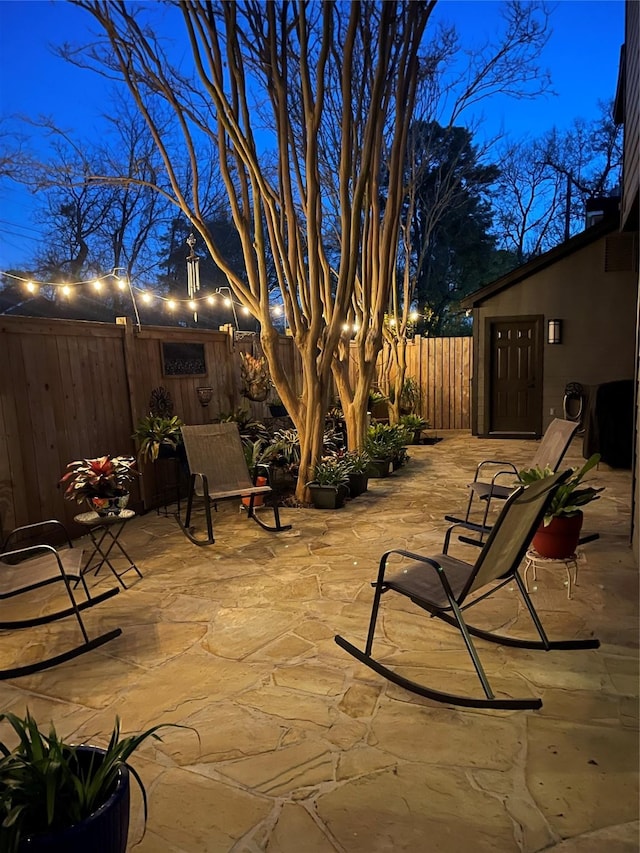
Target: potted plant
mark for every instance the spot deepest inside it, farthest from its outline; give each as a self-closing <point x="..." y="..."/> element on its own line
<point x="101" y="482"/>
<point x="380" y="445"/>
<point x="409" y="396"/>
<point x="357" y="462"/>
<point x="64" y="798"/>
<point x="277" y="409"/>
<point x="330" y="484"/>
<point x="414" y="425"/>
<point x="558" y="535"/>
<point x="257" y="455"/>
<point x="378" y="404"/>
<point x="254" y="376"/>
<point x="385" y="444"/>
<point x="158" y="436"/>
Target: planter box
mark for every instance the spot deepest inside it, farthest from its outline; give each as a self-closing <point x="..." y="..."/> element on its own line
<point x="358" y="484"/>
<point x="379" y="468"/>
<point x="328" y="497"/>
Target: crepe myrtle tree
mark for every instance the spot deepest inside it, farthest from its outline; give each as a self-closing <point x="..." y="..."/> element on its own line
<point x="282" y="71"/>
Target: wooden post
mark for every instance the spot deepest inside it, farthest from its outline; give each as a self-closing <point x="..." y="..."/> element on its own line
<point x="130" y="365"/>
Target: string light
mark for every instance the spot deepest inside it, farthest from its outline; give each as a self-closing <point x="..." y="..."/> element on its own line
<point x="173" y="303"/>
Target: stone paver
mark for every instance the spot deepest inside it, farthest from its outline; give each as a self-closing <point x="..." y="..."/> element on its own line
<point x="301" y="749"/>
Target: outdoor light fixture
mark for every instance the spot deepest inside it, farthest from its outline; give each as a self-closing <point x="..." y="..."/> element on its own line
<point x="205" y="393"/>
<point x="554" y="331"/>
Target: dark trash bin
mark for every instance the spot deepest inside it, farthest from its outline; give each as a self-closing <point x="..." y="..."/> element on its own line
<point x="609" y="423"/>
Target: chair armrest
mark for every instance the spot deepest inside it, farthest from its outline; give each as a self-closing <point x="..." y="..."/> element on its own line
<point x="467" y="525"/>
<point x="510" y="468"/>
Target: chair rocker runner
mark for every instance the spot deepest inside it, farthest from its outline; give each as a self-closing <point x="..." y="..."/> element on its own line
<point x="550" y="453"/>
<point x="442" y="585"/>
<point x="219" y="471"/>
<point x="23" y="570"/>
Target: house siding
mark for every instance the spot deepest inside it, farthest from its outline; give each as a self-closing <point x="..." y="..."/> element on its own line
<point x="598" y="313"/>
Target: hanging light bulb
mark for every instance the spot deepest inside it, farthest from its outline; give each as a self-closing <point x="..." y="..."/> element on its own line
<point x="66" y="290"/>
<point x="227" y="302"/>
<point x="192" y="305"/>
<point x="121" y="283"/>
<point x="146" y="297"/>
<point x="31" y="287"/>
<point x="414" y="316"/>
<point x="211" y="300"/>
<point x="245" y="310"/>
<point x="171" y="305"/>
<point x="277" y="310"/>
<point x="97" y="284"/>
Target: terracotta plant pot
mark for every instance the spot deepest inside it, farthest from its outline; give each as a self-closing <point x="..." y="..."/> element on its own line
<point x="559" y="539"/>
<point x="258" y="499"/>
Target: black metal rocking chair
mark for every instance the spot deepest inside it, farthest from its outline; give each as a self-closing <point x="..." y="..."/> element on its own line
<point x="25" y="569"/>
<point x="219" y="471"/>
<point x="442" y="585"/>
<point x="549" y="454"/>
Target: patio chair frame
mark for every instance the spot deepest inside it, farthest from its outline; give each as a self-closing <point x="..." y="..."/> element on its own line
<point x="207" y="482"/>
<point x="549" y="454"/>
<point x="49" y="565"/>
<point x="458" y="580"/>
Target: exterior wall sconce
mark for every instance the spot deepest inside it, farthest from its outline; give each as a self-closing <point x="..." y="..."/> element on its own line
<point x="554" y="331"/>
<point x="204" y="395"/>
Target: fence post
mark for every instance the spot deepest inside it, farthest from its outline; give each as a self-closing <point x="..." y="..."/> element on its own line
<point x="130" y="367"/>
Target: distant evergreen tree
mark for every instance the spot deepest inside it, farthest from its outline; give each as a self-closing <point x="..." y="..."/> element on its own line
<point x="454" y="252"/>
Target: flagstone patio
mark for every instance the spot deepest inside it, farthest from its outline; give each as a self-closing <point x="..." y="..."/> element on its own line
<point x="301" y="749"/>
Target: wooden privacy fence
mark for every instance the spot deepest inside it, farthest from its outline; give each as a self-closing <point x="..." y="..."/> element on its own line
<point x="442" y="367"/>
<point x="76" y="389"/>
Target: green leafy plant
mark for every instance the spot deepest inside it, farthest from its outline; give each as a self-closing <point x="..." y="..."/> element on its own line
<point x="376" y="397"/>
<point x="156" y="431"/>
<point x="103" y="477"/>
<point x="357" y="461"/>
<point x="413" y="422"/>
<point x="44" y="786"/>
<point x="384" y="441"/>
<point x="568" y="498"/>
<point x="410" y="395"/>
<point x="331" y="471"/>
<point x="258" y="452"/>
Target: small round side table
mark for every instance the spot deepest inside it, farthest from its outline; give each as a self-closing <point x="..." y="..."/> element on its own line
<point x="533" y="560"/>
<point x="104" y="532"/>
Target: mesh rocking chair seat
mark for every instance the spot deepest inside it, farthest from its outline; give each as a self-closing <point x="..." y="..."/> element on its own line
<point x="550" y="454"/>
<point x="219" y="471"/>
<point x="445" y="587"/>
<point x="24" y="569"/>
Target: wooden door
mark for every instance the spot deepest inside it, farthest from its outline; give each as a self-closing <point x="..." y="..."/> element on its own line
<point x="515" y="375"/>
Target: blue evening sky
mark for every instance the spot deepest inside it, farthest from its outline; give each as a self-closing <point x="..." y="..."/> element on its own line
<point x="582" y="57"/>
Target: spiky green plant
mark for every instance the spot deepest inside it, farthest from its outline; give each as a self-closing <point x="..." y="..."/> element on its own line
<point x="44" y="786"/>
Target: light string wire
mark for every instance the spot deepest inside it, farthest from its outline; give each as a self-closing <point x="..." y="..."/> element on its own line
<point x="148" y="295"/>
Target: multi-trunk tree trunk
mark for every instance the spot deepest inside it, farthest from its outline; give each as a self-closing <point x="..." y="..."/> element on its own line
<point x="306" y="72"/>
